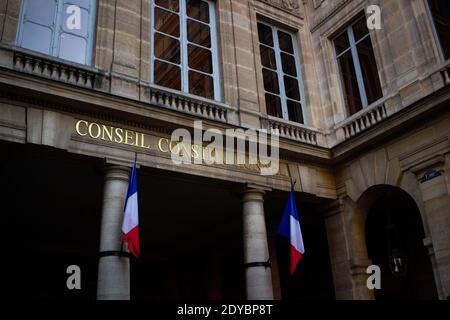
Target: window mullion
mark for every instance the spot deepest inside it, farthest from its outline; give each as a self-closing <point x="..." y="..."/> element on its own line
<point x="90" y="36"/>
<point x="437" y="40"/>
<point x="57" y="28"/>
<point x="281" y="86"/>
<point x="214" y="53"/>
<point x="184" y="47"/>
<point x="152" y="45"/>
<point x="357" y="66"/>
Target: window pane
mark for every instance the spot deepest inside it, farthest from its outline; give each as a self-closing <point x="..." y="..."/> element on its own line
<point x="295" y="111"/>
<point x="341" y="43"/>
<point x="169" y="4"/>
<point x="200" y="59"/>
<point x="285" y="42"/>
<point x="199" y="33"/>
<point x="167" y="48"/>
<point x="273" y="106"/>
<point x="81" y="3"/>
<point x="201" y="85"/>
<point x="360" y="29"/>
<point x="83" y="31"/>
<point x="268" y="57"/>
<point x="72" y="48"/>
<point x="289" y="66"/>
<point x="440" y="11"/>
<point x="291" y="86"/>
<point x="271" y="81"/>
<point x="265" y="34"/>
<point x="349" y="83"/>
<point x="167" y="22"/>
<point x="41" y="11"/>
<point x="198" y="10"/>
<point x="369" y="70"/>
<point x="36" y="37"/>
<point x="167" y="75"/>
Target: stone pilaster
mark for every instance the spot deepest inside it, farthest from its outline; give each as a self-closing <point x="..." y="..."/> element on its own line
<point x="256" y="251"/>
<point x="347" y="248"/>
<point x="126" y="49"/>
<point x="436" y="198"/>
<point x="113" y="268"/>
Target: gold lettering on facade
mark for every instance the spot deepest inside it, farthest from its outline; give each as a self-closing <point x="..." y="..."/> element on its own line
<point x="142" y="145"/>
<point x="140" y="140"/>
<point x="119" y="136"/>
<point x="108" y="132"/>
<point x="163" y="145"/>
<point x="112" y="134"/>
<point x="91" y="131"/>
<point x="129" y="138"/>
<point x="78" y="128"/>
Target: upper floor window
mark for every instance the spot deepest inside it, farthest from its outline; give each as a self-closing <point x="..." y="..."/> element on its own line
<point x="60" y="28"/>
<point x="359" y="78"/>
<point x="281" y="73"/>
<point x="184" y="47"/>
<point x="440" y="12"/>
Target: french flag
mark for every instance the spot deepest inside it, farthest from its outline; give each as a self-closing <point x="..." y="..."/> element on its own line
<point x="290" y="228"/>
<point x="130" y="227"/>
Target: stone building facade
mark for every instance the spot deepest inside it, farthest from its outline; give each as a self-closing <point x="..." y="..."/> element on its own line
<point x="358" y="142"/>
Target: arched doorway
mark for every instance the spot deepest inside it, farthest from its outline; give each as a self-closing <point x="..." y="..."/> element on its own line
<point x="394" y="239"/>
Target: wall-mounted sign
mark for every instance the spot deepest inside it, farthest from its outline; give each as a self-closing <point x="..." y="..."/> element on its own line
<point x="430" y="175"/>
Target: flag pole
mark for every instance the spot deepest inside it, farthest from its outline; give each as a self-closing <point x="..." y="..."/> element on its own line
<point x="293" y="183"/>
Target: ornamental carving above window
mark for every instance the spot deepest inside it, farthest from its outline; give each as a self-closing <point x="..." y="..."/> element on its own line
<point x="288" y="5"/>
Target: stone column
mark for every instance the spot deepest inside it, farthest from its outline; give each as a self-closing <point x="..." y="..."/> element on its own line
<point x="114" y="268"/>
<point x="256" y="251"/>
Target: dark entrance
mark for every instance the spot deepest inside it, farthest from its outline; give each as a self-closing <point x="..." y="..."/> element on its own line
<point x="191" y="233"/>
<point x="394" y="237"/>
<point x="51" y="213"/>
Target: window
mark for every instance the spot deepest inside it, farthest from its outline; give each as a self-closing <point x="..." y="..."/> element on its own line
<point x="359" y="78"/>
<point x="440" y="12"/>
<point x="184" y="47"/>
<point x="44" y="28"/>
<point x="281" y="73"/>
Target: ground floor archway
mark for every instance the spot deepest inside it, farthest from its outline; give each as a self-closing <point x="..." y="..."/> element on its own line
<point x="394" y="235"/>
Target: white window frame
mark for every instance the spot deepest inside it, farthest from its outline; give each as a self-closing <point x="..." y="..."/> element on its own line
<point x="280" y="73"/>
<point x="57" y="30"/>
<point x="356" y="64"/>
<point x="183" y="39"/>
<point x="435" y="33"/>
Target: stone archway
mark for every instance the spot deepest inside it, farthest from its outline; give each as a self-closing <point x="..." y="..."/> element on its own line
<point x="394" y="236"/>
<point x="346" y="220"/>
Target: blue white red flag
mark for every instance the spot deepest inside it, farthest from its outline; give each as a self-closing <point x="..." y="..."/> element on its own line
<point x="130" y="227"/>
<point x="290" y="228"/>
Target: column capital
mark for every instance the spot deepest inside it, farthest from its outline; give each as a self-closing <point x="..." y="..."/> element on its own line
<point x="253" y="192"/>
<point x="115" y="172"/>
